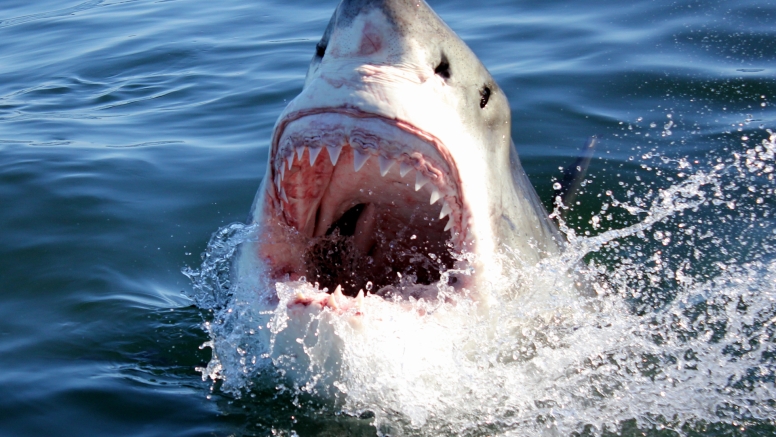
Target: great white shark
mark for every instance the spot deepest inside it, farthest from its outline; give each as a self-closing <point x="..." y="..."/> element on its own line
<point x="394" y="168"/>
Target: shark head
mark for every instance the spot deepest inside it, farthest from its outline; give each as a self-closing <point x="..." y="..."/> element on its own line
<point x="394" y="168"/>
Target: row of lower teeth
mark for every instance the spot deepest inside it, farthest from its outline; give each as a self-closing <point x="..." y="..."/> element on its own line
<point x="359" y="160"/>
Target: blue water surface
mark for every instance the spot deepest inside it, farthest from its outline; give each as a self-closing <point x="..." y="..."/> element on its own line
<point x="132" y="130"/>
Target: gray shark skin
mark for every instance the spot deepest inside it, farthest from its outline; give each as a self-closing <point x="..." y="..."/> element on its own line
<point x="394" y="164"/>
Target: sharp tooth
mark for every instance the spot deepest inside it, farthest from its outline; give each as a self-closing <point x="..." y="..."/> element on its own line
<point x="290" y="161"/>
<point x="314" y="152"/>
<point x="449" y="224"/>
<point x="420" y="180"/>
<point x="359" y="159"/>
<point x="283" y="194"/>
<point x="282" y="172"/>
<point x="333" y="302"/>
<point x="300" y="152"/>
<point x="385" y="164"/>
<point x="404" y="168"/>
<point x="336" y="297"/>
<point x="334" y="153"/>
<point x="435" y="195"/>
<point x="360" y="299"/>
<point x="446" y="210"/>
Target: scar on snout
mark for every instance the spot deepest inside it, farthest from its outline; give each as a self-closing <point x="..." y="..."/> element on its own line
<point x="371" y="42"/>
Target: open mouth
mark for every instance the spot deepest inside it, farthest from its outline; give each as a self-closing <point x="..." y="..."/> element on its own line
<point x="372" y="203"/>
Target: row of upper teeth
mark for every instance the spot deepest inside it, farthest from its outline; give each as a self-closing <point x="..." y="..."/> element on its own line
<point x="360" y="157"/>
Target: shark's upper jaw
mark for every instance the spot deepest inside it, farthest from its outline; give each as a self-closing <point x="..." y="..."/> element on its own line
<point x="366" y="198"/>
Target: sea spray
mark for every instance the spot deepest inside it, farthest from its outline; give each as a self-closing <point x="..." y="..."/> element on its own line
<point x="676" y="330"/>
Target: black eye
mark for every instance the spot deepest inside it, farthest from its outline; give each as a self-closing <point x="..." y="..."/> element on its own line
<point x="320" y="49"/>
<point x="484" y="96"/>
<point x="443" y="69"/>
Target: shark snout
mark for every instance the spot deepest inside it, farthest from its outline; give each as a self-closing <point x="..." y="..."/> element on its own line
<point x="370" y="34"/>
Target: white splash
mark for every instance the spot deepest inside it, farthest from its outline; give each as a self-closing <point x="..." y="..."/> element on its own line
<point x="670" y="335"/>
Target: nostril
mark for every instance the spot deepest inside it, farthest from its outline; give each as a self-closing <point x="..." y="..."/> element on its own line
<point x="484" y="96"/>
<point x="443" y="68"/>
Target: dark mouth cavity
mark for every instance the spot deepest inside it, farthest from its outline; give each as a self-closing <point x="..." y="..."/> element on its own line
<point x="347" y="223"/>
<point x="385" y="265"/>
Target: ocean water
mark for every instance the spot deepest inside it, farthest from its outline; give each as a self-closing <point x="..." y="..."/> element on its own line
<point x="133" y="131"/>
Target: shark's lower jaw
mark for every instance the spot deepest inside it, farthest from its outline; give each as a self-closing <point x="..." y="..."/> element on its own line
<point x="366" y="203"/>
